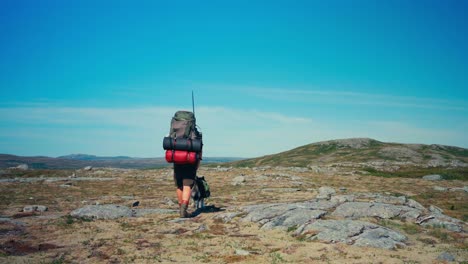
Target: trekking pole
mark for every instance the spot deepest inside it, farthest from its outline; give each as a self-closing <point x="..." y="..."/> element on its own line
<point x="193" y="105"/>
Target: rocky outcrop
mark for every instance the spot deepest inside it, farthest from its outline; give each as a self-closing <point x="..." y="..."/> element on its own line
<point x="356" y="210"/>
<point x="311" y="219"/>
<point x="357" y="233"/>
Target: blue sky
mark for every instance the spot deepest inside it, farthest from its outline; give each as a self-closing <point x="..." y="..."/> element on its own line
<point x="105" y="77"/>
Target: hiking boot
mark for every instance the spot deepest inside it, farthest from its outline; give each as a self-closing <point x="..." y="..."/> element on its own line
<point x="183" y="211"/>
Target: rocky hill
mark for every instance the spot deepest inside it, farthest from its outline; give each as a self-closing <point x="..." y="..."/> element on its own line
<point x="365" y="155"/>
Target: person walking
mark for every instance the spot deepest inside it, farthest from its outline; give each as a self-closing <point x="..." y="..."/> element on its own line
<point x="183" y="147"/>
<point x="184" y="178"/>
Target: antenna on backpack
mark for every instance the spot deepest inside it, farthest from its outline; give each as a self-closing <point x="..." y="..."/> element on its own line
<point x="193" y="104"/>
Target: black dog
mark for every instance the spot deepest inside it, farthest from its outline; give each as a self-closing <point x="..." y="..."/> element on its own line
<point x="200" y="191"/>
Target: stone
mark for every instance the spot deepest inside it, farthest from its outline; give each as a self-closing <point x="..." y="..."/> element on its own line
<point x="412" y="203"/>
<point x="22" y="167"/>
<point x="168" y="201"/>
<point x="446" y="256"/>
<point x="433" y="177"/>
<point x="440" y="189"/>
<point x="201" y="228"/>
<point x="359" y="233"/>
<point x="88" y="168"/>
<point x="35" y="208"/>
<point x="241" y="252"/>
<point x="239" y="180"/>
<point x="325" y="192"/>
<point x="41" y="208"/>
<point x="435" y="209"/>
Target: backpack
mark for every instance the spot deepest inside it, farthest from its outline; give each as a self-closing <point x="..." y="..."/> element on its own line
<point x="203" y="187"/>
<point x="183" y="125"/>
<point x="184" y="143"/>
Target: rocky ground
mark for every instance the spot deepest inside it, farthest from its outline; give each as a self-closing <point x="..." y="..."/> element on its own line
<point x="255" y="215"/>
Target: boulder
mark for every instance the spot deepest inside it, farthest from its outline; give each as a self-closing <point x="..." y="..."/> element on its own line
<point x="22" y="167"/>
<point x="239" y="180"/>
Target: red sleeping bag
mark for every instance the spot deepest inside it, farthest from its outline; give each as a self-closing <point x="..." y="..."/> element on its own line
<point x="183" y="156"/>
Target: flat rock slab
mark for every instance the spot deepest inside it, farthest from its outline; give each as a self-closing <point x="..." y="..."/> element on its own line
<point x="292" y="218"/>
<point x="283" y="216"/>
<point x="351" y="232"/>
<point x="111" y="211"/>
<point x="354" y="210"/>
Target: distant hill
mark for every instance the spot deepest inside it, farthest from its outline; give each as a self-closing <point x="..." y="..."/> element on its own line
<point x="365" y="153"/>
<point x="92" y="157"/>
<point x="76" y="161"/>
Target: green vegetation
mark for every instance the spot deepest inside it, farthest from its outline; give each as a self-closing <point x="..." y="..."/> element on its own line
<point x="415" y="172"/>
<point x="408" y="228"/>
<point x="276" y="258"/>
<point x="459" y="152"/>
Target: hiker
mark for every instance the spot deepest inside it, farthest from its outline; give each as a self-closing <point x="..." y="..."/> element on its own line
<point x="183" y="147"/>
<point x="184" y="178"/>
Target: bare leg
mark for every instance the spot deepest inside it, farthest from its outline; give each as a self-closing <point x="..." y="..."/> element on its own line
<point x="179" y="196"/>
<point x="185" y="201"/>
<point x="186" y="194"/>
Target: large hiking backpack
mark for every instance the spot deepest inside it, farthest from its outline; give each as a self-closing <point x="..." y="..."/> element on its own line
<point x="184" y="143"/>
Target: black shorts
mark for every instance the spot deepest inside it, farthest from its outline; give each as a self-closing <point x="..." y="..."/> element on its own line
<point x="184" y="175"/>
